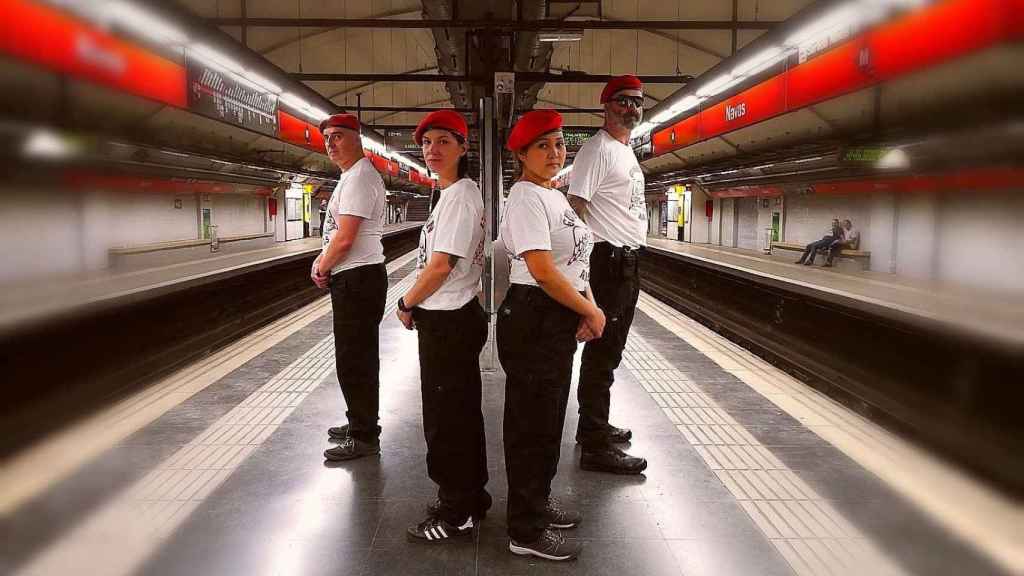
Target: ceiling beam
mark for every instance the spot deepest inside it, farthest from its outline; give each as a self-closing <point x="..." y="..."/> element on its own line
<point x="304" y="38"/>
<point x="546" y="77"/>
<point x="406" y="109"/>
<point x="501" y="25"/>
<point x="570" y="109"/>
<point x="413" y="108"/>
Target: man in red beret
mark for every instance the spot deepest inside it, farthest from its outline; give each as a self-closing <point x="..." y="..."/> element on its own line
<point x="606" y="188"/>
<point x="351" y="264"/>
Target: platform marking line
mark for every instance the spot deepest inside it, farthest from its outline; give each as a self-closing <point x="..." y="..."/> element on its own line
<point x="807" y="531"/>
<point x="28" y="473"/>
<point x="136" y="522"/>
<point x="978" y="515"/>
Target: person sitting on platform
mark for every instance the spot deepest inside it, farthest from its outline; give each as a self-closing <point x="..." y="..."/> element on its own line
<point x="850" y="239"/>
<point x="811" y="250"/>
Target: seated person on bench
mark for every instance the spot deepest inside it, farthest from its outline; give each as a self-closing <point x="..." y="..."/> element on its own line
<point x="811" y="251"/>
<point x="850" y="239"/>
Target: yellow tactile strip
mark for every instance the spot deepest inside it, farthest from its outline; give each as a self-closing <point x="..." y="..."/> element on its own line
<point x="986" y="520"/>
<point x="126" y="530"/>
<point x="806" y="530"/>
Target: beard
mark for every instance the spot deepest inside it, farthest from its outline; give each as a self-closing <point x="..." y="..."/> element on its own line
<point x="631" y="120"/>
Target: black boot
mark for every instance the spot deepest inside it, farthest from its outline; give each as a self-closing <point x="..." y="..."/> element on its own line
<point x="611" y="459"/>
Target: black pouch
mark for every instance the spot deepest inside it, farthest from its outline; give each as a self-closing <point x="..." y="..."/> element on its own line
<point x="614" y="262"/>
<point x="629" y="257"/>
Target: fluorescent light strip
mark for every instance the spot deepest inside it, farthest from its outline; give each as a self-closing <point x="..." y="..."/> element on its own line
<point x="843" y="20"/>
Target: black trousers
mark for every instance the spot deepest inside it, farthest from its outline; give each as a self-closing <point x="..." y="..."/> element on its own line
<point x="834" y="249"/>
<point x="811" y="250"/>
<point x="536" y="343"/>
<point x="615" y="281"/>
<point x="357" y="299"/>
<point x="450" y="342"/>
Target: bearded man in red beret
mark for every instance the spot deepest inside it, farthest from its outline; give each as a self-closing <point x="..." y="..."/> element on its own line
<point x="352" y="266"/>
<point x="606" y="189"/>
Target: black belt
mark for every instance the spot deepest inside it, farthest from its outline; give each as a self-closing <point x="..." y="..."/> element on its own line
<point x="622" y="260"/>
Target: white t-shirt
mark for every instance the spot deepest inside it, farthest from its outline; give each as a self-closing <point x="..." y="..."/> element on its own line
<point x="456" y="227"/>
<point x="360" y="192"/>
<point x="852" y="238"/>
<point x="607" y="175"/>
<point x="538" y="218"/>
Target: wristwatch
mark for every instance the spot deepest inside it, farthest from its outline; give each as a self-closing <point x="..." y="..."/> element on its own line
<point x="401" y="305"/>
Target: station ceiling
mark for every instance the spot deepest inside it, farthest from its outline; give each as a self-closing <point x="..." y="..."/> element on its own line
<point x="286" y="34"/>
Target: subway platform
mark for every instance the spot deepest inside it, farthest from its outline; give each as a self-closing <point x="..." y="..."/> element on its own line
<point x="217" y="468"/>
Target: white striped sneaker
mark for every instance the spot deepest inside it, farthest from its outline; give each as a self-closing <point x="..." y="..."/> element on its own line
<point x="435" y="530"/>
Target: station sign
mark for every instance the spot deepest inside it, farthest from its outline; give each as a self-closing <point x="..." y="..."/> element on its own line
<point x="400" y="140"/>
<point x="863" y="154"/>
<point x="575" y="136"/>
<point x="218" y="95"/>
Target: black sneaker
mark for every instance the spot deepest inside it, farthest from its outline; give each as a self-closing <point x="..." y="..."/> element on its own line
<point x="351" y="448"/>
<point x="434" y="508"/>
<point x="434" y="530"/>
<point x="612" y="435"/>
<point x="560" y="518"/>
<point x="338" y="432"/>
<point x="551" y="546"/>
<point x="611" y="459"/>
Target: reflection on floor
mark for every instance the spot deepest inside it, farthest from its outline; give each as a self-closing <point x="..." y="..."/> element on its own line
<point x="232" y="481"/>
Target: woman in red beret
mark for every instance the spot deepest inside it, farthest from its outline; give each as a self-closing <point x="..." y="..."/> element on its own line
<point x="452" y="327"/>
<point x="548" y="309"/>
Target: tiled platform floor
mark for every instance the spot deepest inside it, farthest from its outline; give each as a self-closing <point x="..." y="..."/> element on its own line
<point x="232" y="481"/>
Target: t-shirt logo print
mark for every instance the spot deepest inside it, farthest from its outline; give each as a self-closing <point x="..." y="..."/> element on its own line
<point x="581" y="239"/>
<point x="478" y="256"/>
<point x="636" y="196"/>
<point x="329" y="227"/>
<point x="421" y="258"/>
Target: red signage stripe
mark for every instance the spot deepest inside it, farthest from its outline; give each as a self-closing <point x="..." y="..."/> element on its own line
<point x="299" y="132"/>
<point x="760" y="102"/>
<point x="941" y="33"/>
<point x="682" y="134"/>
<point x="53" y="39"/>
<point x="924" y="38"/>
<point x="827" y="76"/>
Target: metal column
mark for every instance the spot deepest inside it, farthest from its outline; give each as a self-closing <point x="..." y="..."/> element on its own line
<point x="490" y="185"/>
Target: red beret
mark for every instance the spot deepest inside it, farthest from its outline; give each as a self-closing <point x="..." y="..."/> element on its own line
<point x="532" y="125"/>
<point x="447" y="119"/>
<point x="340" y="121"/>
<point x="625" y="82"/>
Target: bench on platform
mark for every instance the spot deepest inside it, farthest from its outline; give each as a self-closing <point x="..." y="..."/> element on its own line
<point x="863" y="257"/>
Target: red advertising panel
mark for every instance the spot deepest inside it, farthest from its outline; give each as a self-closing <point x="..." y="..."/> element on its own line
<point x="753" y="105"/>
<point x="48" y="37"/>
<point x="299" y="132"/>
